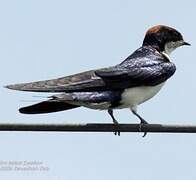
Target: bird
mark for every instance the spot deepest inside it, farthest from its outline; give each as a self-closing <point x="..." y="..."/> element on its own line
<point x="126" y="85"/>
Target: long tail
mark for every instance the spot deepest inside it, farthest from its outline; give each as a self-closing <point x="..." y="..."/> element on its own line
<point x="46" y="107"/>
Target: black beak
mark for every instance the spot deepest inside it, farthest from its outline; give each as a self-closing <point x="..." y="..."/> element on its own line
<point x="186" y="44"/>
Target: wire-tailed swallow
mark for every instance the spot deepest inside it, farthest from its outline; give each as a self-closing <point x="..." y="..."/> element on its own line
<point x="126" y="85"/>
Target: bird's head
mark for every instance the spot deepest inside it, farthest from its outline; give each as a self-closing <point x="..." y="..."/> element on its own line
<point x="164" y="39"/>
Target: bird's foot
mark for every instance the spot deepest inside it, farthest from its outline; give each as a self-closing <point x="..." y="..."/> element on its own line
<point x="116" y="125"/>
<point x="142" y="122"/>
<point x="140" y="126"/>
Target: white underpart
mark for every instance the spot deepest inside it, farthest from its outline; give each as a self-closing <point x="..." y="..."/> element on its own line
<point x="132" y="97"/>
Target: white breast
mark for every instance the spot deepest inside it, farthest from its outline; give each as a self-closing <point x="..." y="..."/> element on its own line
<point x="134" y="96"/>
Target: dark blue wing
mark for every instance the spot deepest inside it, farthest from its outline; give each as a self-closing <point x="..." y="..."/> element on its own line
<point x="145" y="67"/>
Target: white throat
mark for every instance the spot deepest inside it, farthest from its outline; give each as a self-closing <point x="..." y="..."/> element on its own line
<point x="171" y="46"/>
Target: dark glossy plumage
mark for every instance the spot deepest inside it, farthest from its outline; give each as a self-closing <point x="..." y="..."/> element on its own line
<point x="145" y="67"/>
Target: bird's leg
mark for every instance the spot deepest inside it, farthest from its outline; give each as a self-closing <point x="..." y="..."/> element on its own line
<point x="142" y="121"/>
<point x="110" y="111"/>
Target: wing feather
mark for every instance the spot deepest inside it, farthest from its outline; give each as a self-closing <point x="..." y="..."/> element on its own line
<point x="142" y="68"/>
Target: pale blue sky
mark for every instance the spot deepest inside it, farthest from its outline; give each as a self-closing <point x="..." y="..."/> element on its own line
<point x="43" y="39"/>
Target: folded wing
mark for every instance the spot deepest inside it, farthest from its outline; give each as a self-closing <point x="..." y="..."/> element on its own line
<point x="113" y="78"/>
<point x="145" y="67"/>
<point x="73" y="83"/>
